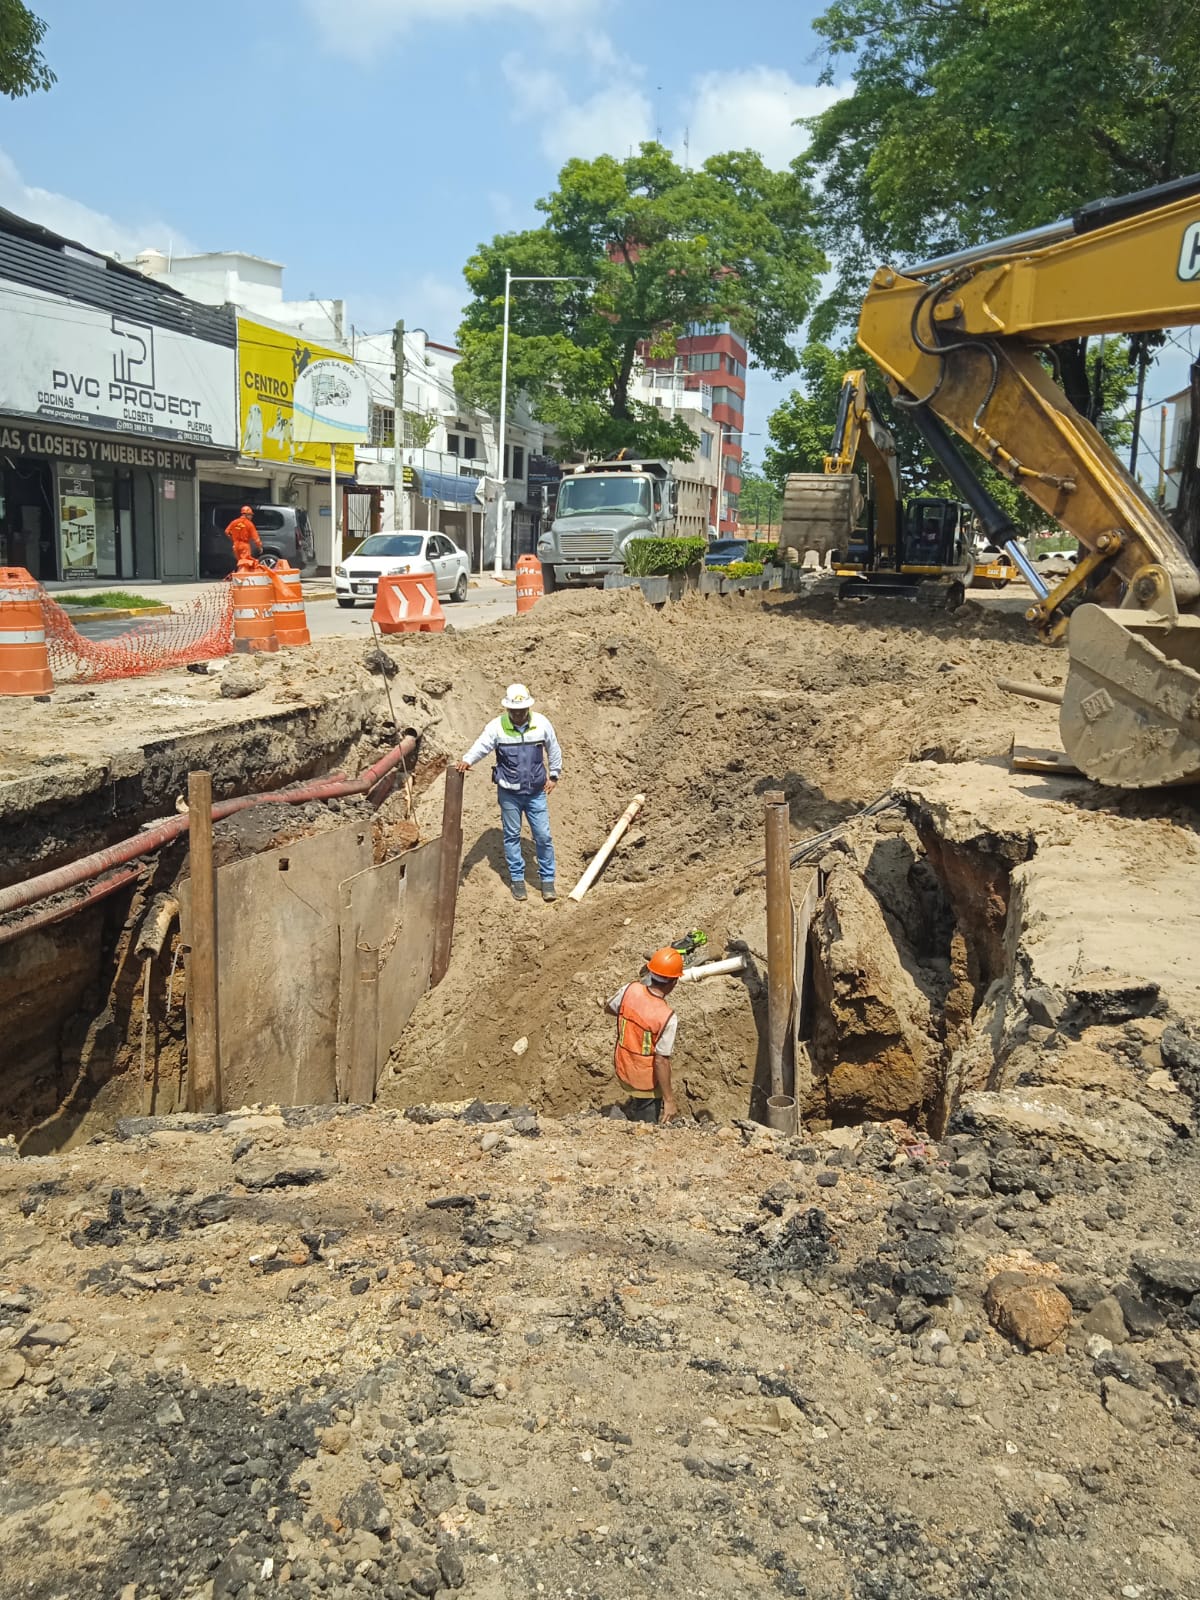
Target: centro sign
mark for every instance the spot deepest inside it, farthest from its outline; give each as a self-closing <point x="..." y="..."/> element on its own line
<point x="72" y="363"/>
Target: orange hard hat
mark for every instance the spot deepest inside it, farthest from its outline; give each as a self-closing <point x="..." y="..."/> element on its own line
<point x="247" y="511"/>
<point x="666" y="963"/>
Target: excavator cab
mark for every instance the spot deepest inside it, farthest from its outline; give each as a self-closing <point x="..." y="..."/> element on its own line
<point x="932" y="536"/>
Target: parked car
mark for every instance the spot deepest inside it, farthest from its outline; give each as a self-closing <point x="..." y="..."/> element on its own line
<point x="285" y="532"/>
<point x="384" y="553"/>
<point x="724" y="552"/>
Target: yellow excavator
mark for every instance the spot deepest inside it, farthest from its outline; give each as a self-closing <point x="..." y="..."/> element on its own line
<point x="923" y="545"/>
<point x="966" y="343"/>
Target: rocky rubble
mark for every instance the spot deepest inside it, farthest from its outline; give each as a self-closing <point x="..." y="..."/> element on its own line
<point x="596" y="1359"/>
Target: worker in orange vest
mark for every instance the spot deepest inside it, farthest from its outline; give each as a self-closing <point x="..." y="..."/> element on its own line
<point x="241" y="533"/>
<point x="646" y="1027"/>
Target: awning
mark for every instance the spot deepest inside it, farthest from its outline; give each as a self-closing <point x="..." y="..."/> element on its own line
<point x="445" y="486"/>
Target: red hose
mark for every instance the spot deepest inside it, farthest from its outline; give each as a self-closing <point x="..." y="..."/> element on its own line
<point x="44" y="919"/>
<point x="161" y="833"/>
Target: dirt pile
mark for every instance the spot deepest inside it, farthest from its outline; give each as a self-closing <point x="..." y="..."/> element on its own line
<point x="361" y="1354"/>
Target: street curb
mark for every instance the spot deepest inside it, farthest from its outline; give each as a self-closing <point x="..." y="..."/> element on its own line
<point x="114" y="613"/>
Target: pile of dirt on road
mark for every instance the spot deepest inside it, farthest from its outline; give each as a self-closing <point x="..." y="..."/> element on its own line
<point x="361" y="1354"/>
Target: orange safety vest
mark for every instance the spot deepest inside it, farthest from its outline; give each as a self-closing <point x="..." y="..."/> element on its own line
<point x="640" y="1021"/>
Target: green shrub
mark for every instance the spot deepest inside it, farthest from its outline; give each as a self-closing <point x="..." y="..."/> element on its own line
<point x="110" y="600"/>
<point x="656" y="558"/>
<point x="744" y="569"/>
<point x="767" y="554"/>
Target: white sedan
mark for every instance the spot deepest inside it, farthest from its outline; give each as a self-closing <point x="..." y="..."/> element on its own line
<point x="384" y="553"/>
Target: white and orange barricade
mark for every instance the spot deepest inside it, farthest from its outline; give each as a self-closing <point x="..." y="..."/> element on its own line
<point x="407" y="602"/>
<point x="291" y="622"/>
<point x="253" y="619"/>
<point x="24" y="659"/>
<point x="530" y="584"/>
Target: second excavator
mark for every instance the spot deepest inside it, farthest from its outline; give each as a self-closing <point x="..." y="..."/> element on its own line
<point x="966" y="342"/>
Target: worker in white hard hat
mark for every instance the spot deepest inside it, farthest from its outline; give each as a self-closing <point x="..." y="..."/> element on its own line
<point x="528" y="766"/>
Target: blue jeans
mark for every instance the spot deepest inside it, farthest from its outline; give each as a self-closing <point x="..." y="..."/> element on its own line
<point x="513" y="807"/>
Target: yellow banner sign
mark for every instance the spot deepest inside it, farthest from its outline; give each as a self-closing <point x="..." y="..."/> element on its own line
<point x="269" y="361"/>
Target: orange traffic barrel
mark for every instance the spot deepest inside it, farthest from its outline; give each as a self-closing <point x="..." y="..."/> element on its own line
<point x="24" y="660"/>
<point x="408" y="603"/>
<point x="291" y="624"/>
<point x="530" y="587"/>
<point x="253" y="599"/>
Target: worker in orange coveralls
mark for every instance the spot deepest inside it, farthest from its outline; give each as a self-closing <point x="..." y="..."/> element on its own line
<point x="241" y="533"/>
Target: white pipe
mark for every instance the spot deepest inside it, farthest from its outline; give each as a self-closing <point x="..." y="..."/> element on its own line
<point x="712" y="969"/>
<point x="592" y="871"/>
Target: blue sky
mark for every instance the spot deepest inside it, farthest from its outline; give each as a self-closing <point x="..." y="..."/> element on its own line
<point x="371" y="144"/>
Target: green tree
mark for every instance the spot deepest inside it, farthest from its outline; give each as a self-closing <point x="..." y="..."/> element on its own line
<point x="971" y="119"/>
<point x="759" y="502"/>
<point x="657" y="247"/>
<point x="23" y="69"/>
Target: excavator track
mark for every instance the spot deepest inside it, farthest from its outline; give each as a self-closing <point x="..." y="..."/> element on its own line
<point x="1131" y="708"/>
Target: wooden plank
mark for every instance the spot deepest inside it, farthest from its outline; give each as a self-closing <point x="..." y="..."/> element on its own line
<point x="1024" y="758"/>
<point x="203" y="1062"/>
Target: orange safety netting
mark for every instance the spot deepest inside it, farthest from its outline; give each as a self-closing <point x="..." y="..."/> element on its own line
<point x="198" y="631"/>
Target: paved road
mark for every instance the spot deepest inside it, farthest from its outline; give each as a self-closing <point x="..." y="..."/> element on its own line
<point x="326" y="619"/>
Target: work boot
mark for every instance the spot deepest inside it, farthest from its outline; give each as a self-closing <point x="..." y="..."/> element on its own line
<point x="518" y="890"/>
<point x="548" y="893"/>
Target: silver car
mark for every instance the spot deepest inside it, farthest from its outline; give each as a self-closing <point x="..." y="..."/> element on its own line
<point x="384" y="553"/>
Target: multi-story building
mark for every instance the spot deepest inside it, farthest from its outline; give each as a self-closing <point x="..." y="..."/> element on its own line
<point x="449" y="452"/>
<point x="711" y="354"/>
<point x="276" y="338"/>
<point x="698" y="478"/>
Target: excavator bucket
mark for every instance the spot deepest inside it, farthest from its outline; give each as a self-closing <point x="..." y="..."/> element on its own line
<point x="820" y="512"/>
<point x="1131" y="708"/>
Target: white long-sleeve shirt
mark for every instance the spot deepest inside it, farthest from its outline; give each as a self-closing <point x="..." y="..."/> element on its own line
<point x="540" y="730"/>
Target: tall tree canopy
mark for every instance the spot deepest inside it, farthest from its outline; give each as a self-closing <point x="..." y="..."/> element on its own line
<point x="972" y="119"/>
<point x="22" y="66"/>
<point x="656" y="247"/>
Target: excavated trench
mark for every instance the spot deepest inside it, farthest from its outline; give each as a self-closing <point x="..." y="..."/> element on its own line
<point x="93" y="990"/>
<point x="909" y="963"/>
<point x="908" y="972"/>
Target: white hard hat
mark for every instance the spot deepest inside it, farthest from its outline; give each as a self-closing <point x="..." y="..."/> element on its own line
<point x="517" y="698"/>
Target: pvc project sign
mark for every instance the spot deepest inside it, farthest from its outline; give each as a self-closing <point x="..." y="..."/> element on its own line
<point x="270" y="363"/>
<point x="73" y="363"/>
<point x="330" y="404"/>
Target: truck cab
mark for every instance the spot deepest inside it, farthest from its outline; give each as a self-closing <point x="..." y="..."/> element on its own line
<point x="602" y="506"/>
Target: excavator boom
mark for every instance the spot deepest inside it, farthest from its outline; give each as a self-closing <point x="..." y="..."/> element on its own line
<point x="964" y="343"/>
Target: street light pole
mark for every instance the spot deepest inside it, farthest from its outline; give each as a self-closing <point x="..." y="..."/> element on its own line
<point x="502" y="495"/>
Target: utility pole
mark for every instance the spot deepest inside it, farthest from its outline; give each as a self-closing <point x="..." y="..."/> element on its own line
<point x="1135" y="445"/>
<point x="502" y="492"/>
<point x="1162" y="456"/>
<point x="400" y="512"/>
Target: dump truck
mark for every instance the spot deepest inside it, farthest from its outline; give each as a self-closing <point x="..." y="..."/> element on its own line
<point x="602" y="506"/>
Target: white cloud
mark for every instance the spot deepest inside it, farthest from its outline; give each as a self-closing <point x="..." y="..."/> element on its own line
<point x="752" y="108"/>
<point x="359" y="28"/>
<point x="610" y="121"/>
<point x="79" y="222"/>
<point x="426" y="301"/>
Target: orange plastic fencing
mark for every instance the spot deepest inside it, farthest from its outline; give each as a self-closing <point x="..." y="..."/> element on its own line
<point x="199" y="631"/>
